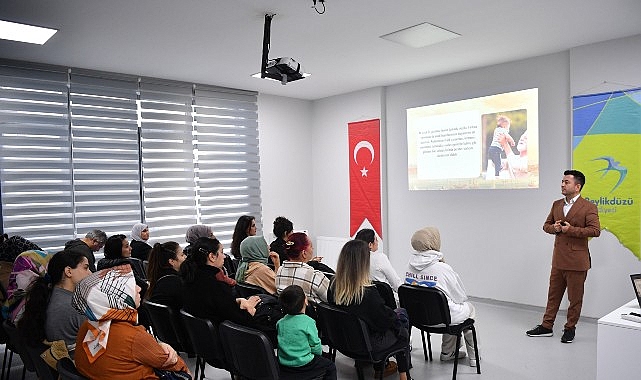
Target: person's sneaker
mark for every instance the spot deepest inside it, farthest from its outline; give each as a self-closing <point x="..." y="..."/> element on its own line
<point x="539" y="331"/>
<point x="568" y="336"/>
<point x="473" y="361"/>
<point x="390" y="369"/>
<point x="447" y="357"/>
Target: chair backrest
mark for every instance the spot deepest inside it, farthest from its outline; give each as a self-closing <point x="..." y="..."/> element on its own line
<point x="346" y="332"/>
<point x="16" y="345"/>
<point x="246" y="290"/>
<point x="42" y="369"/>
<point x="426" y="306"/>
<point x="67" y="370"/>
<point x="168" y="327"/>
<point x="387" y="293"/>
<point x="249" y="352"/>
<point x="205" y="340"/>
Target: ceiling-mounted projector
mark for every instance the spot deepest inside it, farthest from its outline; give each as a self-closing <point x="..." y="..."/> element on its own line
<point x="283" y="69"/>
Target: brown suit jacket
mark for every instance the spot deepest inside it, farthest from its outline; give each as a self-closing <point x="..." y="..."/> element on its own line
<point x="571" y="248"/>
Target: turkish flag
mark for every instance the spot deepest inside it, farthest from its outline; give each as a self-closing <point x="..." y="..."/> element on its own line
<point x="364" y="175"/>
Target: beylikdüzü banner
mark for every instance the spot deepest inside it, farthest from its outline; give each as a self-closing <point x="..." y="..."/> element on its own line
<point x="606" y="136"/>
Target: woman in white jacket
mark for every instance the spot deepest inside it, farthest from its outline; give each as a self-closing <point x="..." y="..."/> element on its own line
<point x="426" y="268"/>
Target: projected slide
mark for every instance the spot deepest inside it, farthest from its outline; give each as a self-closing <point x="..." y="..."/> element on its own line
<point x="489" y="142"/>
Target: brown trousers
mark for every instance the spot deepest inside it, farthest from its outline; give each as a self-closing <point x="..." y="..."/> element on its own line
<point x="560" y="280"/>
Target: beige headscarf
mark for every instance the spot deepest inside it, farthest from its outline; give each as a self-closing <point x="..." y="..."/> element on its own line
<point x="426" y="239"/>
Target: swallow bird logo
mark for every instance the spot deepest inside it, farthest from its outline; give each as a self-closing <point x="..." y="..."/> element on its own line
<point x="613" y="165"/>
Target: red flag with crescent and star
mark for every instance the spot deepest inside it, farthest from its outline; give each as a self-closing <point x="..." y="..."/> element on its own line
<point x="364" y="175"/>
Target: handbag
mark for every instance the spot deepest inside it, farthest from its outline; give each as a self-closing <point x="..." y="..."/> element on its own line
<point x="164" y="374"/>
<point x="55" y="351"/>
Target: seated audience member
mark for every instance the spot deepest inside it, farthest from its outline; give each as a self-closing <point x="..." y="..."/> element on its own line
<point x="117" y="249"/>
<point x="299" y="347"/>
<point x="118" y="252"/>
<point x="193" y="233"/>
<point x="139" y="236"/>
<point x="245" y="226"/>
<point x="27" y="267"/>
<point x="110" y="344"/>
<point x="48" y="312"/>
<point x="93" y="241"/>
<point x="165" y="284"/>
<point x="10" y="248"/>
<point x="295" y="271"/>
<point x="380" y="268"/>
<point x="208" y="292"/>
<point x="427" y="262"/>
<point x="283" y="227"/>
<point x="352" y="290"/>
<point x="253" y="267"/>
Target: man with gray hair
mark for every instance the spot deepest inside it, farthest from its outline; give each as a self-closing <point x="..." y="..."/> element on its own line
<point x="93" y="241"/>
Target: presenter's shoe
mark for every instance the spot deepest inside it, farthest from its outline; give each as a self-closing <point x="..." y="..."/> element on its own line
<point x="445" y="357"/>
<point x="568" y="336"/>
<point x="540" y="331"/>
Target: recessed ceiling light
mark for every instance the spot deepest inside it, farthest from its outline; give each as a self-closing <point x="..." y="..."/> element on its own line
<point x="420" y="35"/>
<point x="14" y="31"/>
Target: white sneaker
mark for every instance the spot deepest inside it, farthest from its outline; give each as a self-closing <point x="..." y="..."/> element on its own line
<point x="473" y="361"/>
<point x="447" y="357"/>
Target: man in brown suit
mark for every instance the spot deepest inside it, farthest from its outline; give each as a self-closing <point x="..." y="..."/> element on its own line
<point x="573" y="220"/>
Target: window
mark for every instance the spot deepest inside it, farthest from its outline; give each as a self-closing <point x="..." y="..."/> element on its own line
<point x="83" y="149"/>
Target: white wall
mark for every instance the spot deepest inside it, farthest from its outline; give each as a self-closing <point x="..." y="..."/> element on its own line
<point x="285" y="133"/>
<point x="330" y="156"/>
<point x="493" y="238"/>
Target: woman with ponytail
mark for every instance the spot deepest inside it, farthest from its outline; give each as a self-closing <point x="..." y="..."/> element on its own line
<point x="165" y="285"/>
<point x="48" y="312"/>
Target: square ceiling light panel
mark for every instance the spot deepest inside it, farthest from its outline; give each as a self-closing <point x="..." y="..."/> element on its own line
<point x="14" y="31"/>
<point x="420" y="35"/>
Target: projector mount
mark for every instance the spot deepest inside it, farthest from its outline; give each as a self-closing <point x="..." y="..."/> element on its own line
<point x="283" y="69"/>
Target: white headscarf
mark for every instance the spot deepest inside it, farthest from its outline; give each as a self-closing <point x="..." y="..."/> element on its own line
<point x="137" y="230"/>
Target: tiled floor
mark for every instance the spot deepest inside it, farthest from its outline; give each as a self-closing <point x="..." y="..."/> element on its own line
<point x="506" y="352"/>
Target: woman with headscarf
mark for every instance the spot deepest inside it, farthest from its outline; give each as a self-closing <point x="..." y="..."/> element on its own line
<point x="139" y="247"/>
<point x="193" y="233"/>
<point x="427" y="268"/>
<point x="110" y="344"/>
<point x="253" y="267"/>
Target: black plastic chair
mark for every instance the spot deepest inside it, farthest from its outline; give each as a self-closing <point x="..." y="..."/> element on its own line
<point x="428" y="311"/>
<point x="387" y="293"/>
<point x="247" y="290"/>
<point x="206" y="344"/>
<point x="349" y="335"/>
<point x="250" y="353"/>
<point x="15" y="344"/>
<point x="67" y="370"/>
<point x="168" y="327"/>
<point x="42" y="369"/>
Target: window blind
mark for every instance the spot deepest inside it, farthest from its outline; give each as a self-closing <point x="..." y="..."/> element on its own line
<point x="35" y="160"/>
<point x="106" y="177"/>
<point x="169" y="189"/>
<point x="82" y="149"/>
<point x="227" y="164"/>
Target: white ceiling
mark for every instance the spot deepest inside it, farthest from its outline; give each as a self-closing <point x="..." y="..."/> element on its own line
<point x="219" y="41"/>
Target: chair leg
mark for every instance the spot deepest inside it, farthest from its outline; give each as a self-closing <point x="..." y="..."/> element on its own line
<point x="458" y="343"/>
<point x="197" y="367"/>
<point x="429" y="345"/>
<point x="359" y="371"/>
<point x="424" y="347"/>
<point x="4" y="362"/>
<point x="476" y="351"/>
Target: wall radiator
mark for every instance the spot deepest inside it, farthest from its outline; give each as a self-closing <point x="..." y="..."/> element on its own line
<point x="329" y="248"/>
